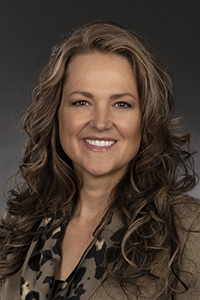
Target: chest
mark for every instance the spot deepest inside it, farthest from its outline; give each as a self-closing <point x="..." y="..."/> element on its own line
<point x="72" y="246"/>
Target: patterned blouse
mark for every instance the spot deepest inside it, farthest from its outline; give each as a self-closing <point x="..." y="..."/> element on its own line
<point x="42" y="260"/>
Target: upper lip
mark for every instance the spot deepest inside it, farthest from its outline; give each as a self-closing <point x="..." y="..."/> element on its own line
<point x="99" y="138"/>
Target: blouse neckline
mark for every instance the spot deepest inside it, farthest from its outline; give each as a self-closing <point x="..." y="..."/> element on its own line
<point x="43" y="258"/>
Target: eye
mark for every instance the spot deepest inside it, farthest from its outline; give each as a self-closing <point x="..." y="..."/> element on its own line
<point x="123" y="104"/>
<point x="80" y="103"/>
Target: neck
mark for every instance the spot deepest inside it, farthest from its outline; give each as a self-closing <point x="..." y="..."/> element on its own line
<point x="94" y="197"/>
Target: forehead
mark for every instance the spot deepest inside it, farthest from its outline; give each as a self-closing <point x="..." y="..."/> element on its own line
<point x="97" y="64"/>
<point x="96" y="56"/>
<point x="101" y="75"/>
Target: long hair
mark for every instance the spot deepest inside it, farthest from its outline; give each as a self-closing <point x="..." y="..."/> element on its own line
<point x="156" y="178"/>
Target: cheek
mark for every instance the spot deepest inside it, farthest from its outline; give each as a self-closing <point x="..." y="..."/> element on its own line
<point x="69" y="127"/>
<point x="64" y="128"/>
<point x="134" y="137"/>
<point x="132" y="129"/>
<point x="65" y="121"/>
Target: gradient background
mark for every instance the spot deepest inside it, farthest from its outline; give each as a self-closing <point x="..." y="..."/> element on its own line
<point x="28" y="30"/>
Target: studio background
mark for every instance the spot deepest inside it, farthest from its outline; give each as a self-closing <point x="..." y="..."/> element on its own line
<point x="29" y="29"/>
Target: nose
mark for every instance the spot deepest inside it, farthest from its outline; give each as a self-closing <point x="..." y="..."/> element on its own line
<point x="101" y="119"/>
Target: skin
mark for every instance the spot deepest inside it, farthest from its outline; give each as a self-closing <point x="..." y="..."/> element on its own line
<point x="100" y="102"/>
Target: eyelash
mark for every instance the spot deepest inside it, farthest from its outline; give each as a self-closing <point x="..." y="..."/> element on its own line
<point x="123" y="104"/>
<point x="80" y="103"/>
<point x="120" y="104"/>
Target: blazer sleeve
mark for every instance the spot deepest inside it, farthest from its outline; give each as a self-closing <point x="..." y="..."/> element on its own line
<point x="10" y="288"/>
<point x="191" y="257"/>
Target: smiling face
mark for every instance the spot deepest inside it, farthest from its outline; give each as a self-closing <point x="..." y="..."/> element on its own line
<point x="99" y="115"/>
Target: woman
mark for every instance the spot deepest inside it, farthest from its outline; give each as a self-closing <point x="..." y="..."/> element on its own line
<point x="102" y="211"/>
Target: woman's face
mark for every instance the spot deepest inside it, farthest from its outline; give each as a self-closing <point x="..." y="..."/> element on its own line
<point x="99" y="115"/>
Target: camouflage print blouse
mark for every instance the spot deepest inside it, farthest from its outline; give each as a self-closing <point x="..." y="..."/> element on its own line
<point x="37" y="279"/>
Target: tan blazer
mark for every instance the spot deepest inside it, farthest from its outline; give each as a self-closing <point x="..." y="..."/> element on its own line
<point x="190" y="216"/>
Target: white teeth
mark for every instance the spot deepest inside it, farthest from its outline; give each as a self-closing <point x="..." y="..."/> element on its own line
<point x="99" y="143"/>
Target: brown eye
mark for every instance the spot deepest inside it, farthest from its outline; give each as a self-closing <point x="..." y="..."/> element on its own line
<point x="123" y="105"/>
<point x="80" y="103"/>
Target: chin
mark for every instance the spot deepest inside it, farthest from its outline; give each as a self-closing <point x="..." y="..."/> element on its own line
<point x="104" y="172"/>
<point x="99" y="173"/>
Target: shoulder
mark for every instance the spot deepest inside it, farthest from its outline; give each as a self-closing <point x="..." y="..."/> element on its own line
<point x="10" y="288"/>
<point x="187" y="218"/>
<point x="187" y="205"/>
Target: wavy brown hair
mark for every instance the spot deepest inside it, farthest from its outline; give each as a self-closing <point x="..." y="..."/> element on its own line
<point x="157" y="177"/>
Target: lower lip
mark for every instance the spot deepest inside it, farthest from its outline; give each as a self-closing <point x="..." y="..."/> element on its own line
<point x="98" y="149"/>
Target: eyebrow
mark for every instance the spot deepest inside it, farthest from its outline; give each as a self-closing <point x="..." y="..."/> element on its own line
<point x="112" y="97"/>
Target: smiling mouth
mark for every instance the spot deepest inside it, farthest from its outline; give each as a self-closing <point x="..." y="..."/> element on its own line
<point x="100" y="143"/>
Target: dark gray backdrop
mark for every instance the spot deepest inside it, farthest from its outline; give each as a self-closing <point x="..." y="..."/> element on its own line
<point x="28" y="29"/>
